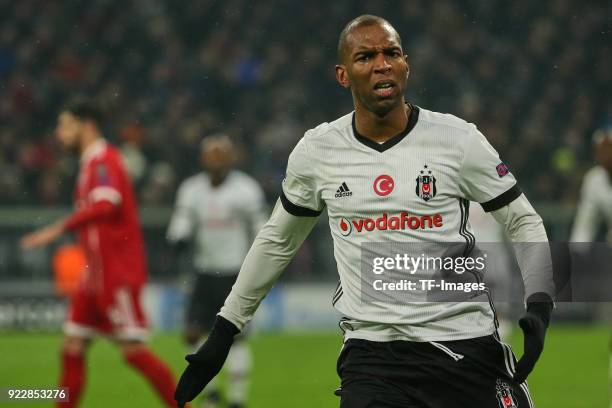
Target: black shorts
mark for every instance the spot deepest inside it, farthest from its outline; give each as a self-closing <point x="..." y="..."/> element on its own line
<point x="473" y="373"/>
<point x="208" y="295"/>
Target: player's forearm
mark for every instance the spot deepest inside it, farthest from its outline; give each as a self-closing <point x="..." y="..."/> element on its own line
<point x="258" y="221"/>
<point x="526" y="230"/>
<point x="181" y="225"/>
<point x="98" y="211"/>
<point x="271" y="252"/>
<point x="588" y="215"/>
<point x="585" y="226"/>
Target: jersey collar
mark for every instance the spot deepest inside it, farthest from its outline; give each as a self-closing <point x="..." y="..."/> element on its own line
<point x="93" y="150"/>
<point x="381" y="147"/>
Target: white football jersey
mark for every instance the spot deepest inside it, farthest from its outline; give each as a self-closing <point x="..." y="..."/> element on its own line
<point x="222" y="220"/>
<point x="413" y="188"/>
<point x="595" y="206"/>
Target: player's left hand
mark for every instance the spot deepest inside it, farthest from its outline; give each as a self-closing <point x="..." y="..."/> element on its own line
<point x="206" y="362"/>
<point x="534" y="324"/>
<point x="42" y="236"/>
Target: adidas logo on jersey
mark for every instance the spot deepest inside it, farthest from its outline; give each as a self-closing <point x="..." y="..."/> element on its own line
<point x="343" y="191"/>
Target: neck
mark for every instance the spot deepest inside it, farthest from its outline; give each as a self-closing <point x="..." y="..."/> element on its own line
<point x="87" y="140"/>
<point x="381" y="128"/>
<point x="217" y="178"/>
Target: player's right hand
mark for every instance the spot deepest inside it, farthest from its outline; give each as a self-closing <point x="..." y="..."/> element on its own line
<point x="43" y="236"/>
<point x="206" y="362"/>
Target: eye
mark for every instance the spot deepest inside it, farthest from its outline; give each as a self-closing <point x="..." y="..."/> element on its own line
<point x="365" y="56"/>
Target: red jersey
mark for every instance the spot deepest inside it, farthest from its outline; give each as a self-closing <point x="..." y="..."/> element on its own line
<point x="106" y="221"/>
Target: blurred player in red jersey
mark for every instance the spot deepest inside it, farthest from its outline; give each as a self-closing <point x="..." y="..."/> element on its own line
<point x="106" y="223"/>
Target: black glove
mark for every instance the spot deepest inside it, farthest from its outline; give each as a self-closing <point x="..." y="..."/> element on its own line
<point x="534" y="324"/>
<point x="206" y="362"/>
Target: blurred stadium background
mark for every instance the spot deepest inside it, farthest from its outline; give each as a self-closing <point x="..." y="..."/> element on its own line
<point x="534" y="76"/>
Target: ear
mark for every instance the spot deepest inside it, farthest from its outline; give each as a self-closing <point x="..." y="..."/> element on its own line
<point x="342" y="76"/>
<point x="407" y="66"/>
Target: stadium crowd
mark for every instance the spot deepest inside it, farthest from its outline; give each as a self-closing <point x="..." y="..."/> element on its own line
<point x="535" y="77"/>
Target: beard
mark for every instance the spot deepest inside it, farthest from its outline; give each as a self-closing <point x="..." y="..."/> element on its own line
<point x="73" y="146"/>
<point x="381" y="110"/>
<point x="381" y="107"/>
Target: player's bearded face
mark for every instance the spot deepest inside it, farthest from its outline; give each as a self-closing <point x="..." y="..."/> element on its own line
<point x="68" y="131"/>
<point x="375" y="68"/>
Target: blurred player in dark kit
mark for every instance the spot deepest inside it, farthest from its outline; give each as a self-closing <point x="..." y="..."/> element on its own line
<point x="219" y="210"/>
<point x="106" y="223"/>
<point x="595" y="209"/>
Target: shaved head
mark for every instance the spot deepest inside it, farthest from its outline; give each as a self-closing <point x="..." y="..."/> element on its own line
<point x="217" y="141"/>
<point x="361" y="21"/>
<point x="373" y="65"/>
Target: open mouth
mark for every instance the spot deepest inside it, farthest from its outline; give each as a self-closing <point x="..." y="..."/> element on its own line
<point x="384" y="88"/>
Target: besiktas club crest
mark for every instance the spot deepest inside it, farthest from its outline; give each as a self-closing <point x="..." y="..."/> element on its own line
<point x="504" y="395"/>
<point x="426" y="184"/>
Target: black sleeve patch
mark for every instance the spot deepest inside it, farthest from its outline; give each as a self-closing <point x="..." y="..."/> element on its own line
<point x="503" y="199"/>
<point x="296" y="209"/>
